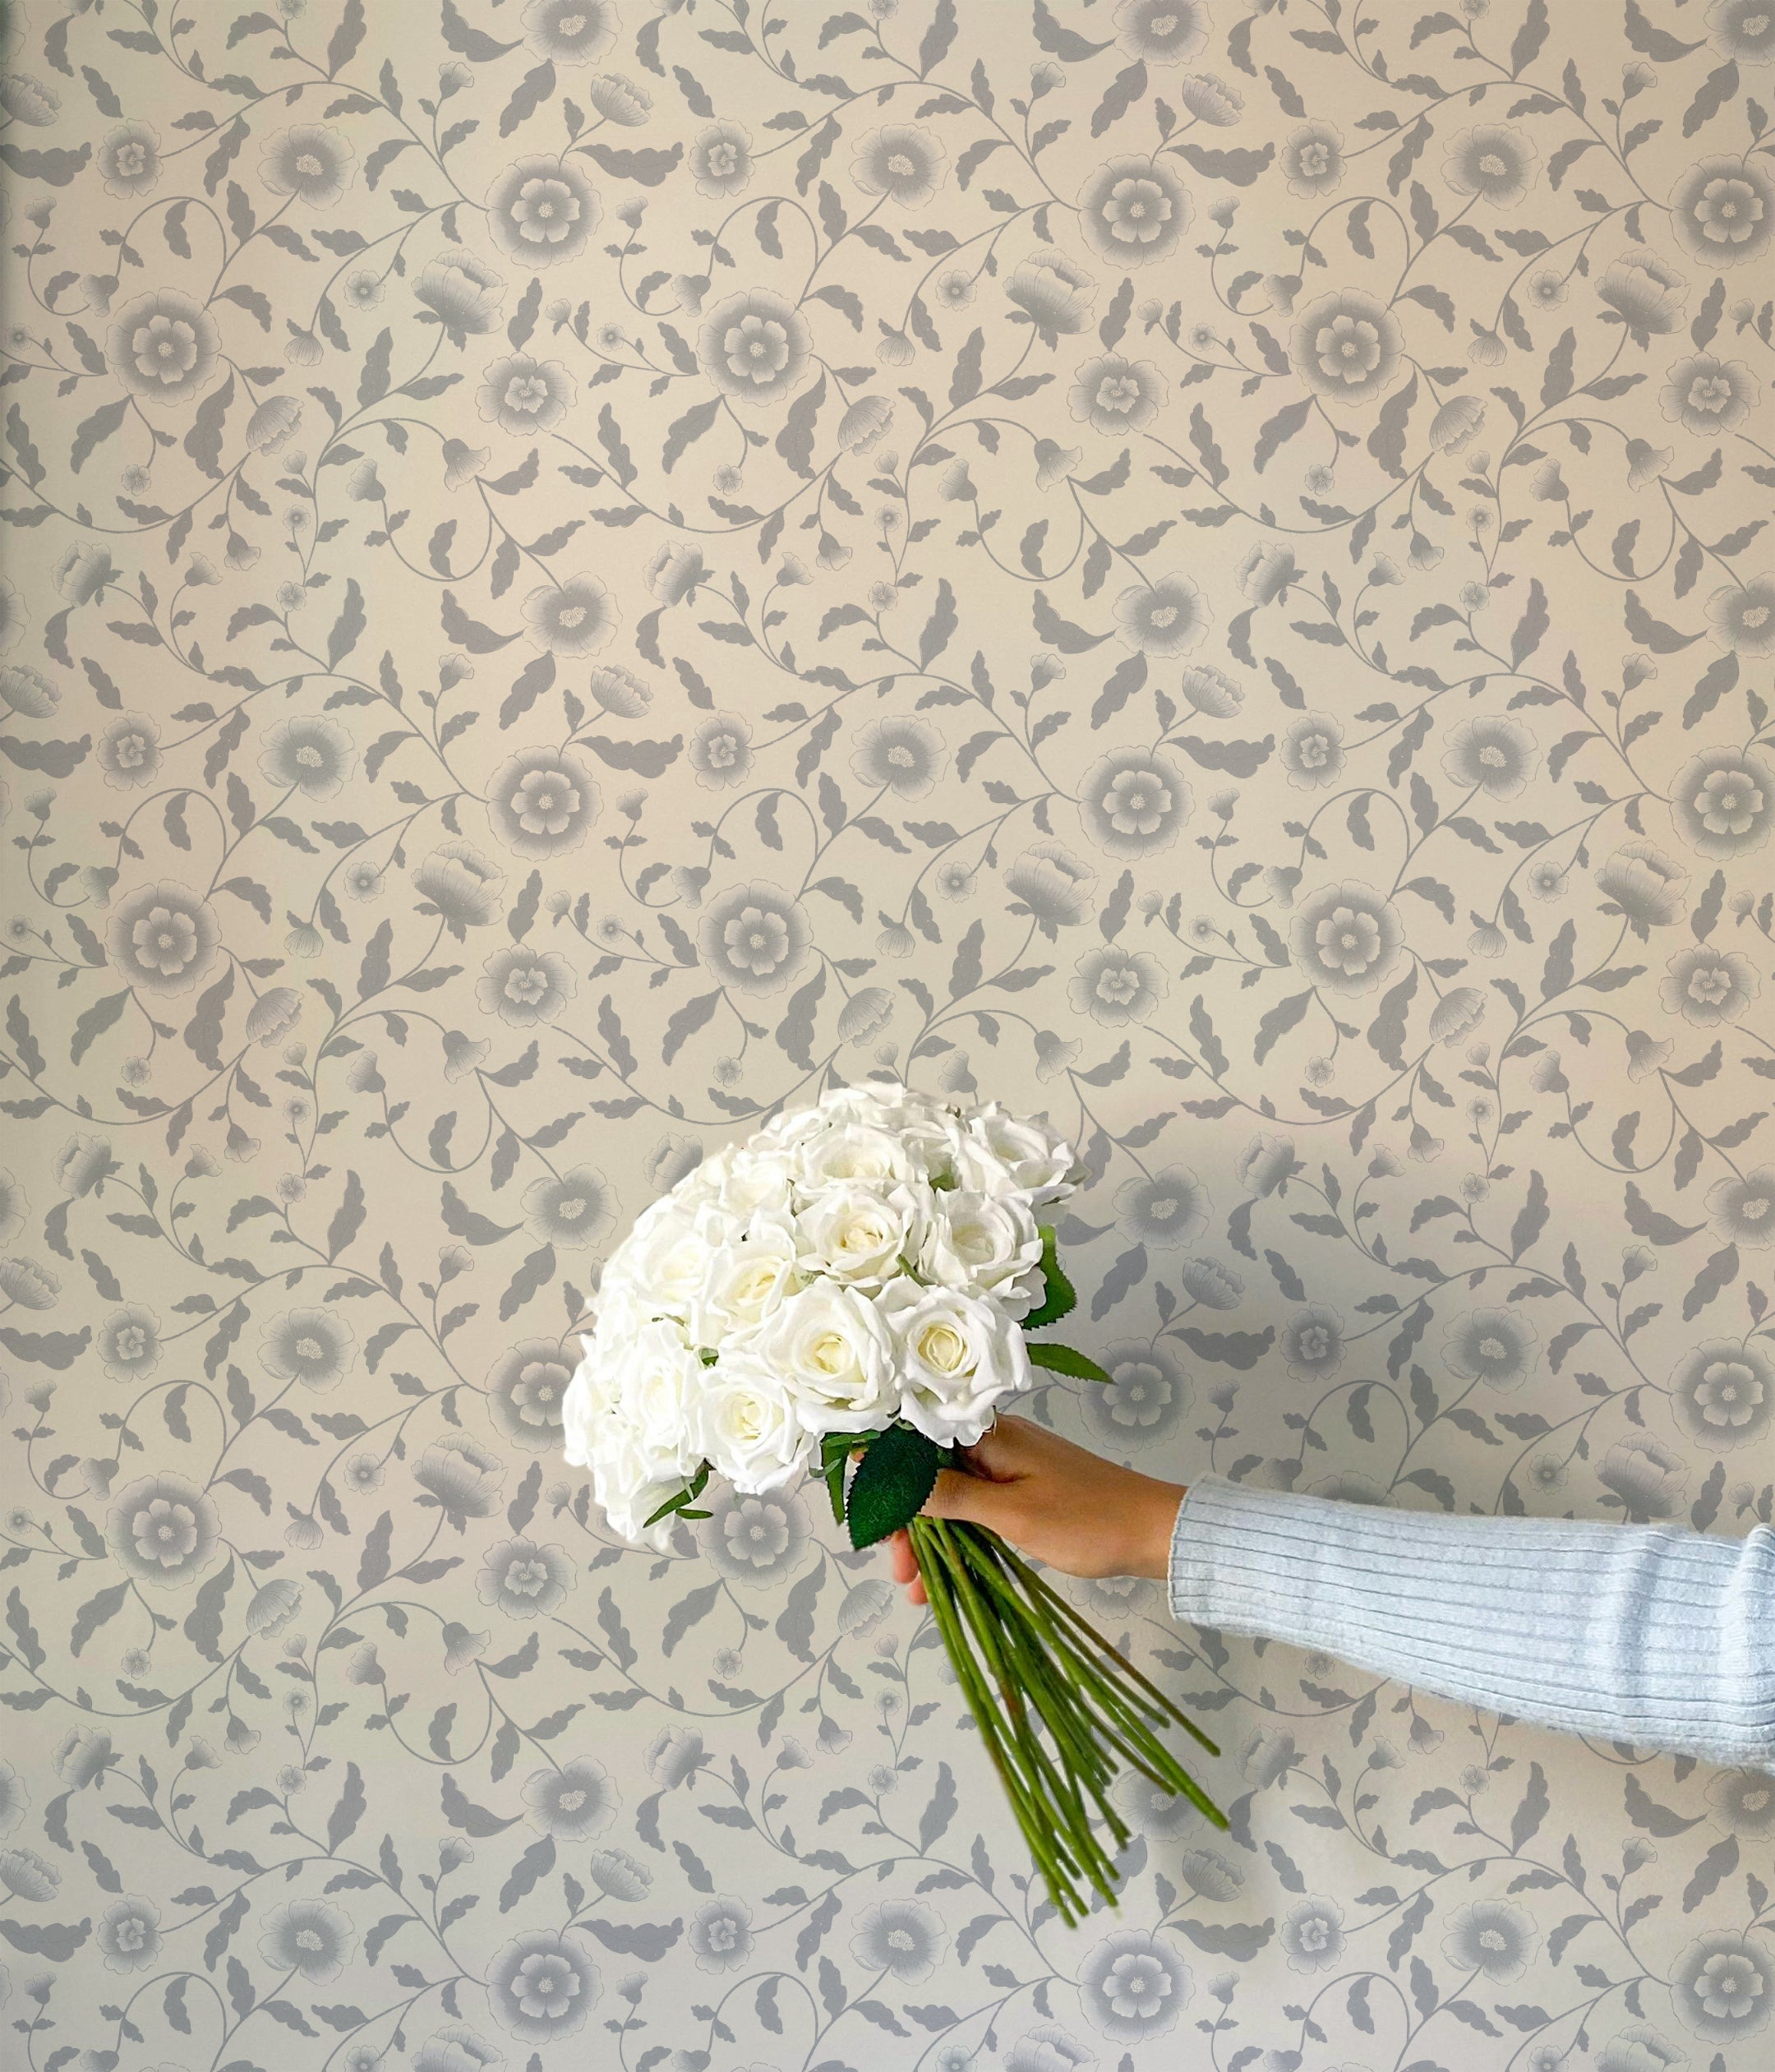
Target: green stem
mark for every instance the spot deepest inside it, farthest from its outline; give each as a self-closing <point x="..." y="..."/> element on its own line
<point x="1067" y="1712"/>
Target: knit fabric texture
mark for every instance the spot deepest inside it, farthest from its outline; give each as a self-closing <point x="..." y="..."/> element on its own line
<point x="1651" y="1635"/>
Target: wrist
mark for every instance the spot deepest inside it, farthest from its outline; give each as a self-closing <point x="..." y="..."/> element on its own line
<point x="1152" y="1527"/>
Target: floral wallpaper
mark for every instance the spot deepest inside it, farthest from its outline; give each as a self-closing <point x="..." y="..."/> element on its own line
<point x="574" y="573"/>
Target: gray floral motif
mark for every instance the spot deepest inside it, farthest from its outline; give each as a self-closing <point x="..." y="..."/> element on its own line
<point x="1134" y="1986"/>
<point x="523" y="1579"/>
<point x="163" y="937"/>
<point x="1113" y="395"/>
<point x="129" y="1343"/>
<point x="455" y="2048"/>
<point x="1640" y="881"/>
<point x="521" y="395"/>
<point x="1722" y="1394"/>
<point x="1347" y="937"/>
<point x="572" y="1802"/>
<point x="1312" y="1934"/>
<point x="1492" y="1937"/>
<point x="1312" y="157"/>
<point x="1704" y="393"/>
<point x="1723" y="210"/>
<point x="1743" y="615"/>
<point x="129" y="158"/>
<point x="1644" y="1477"/>
<point x="904" y="162"/>
<point x="1346" y="347"/>
<point x="461" y="292"/>
<point x="754" y="1541"/>
<point x="720" y="158"/>
<point x="756" y="938"/>
<point x="1494" y="161"/>
<point x="1168" y="1207"/>
<point x="1725" y="801"/>
<point x="572" y="582"/>
<point x="163" y="347"/>
<point x="1641" y="2048"/>
<point x="312" y="162"/>
<point x="524" y="1391"/>
<point x="570" y="32"/>
<point x="1053" y="292"/>
<point x="543" y="1985"/>
<point x="460" y="882"/>
<point x="312" y="1346"/>
<point x="1117" y="986"/>
<point x="1147" y="1396"/>
<point x="1496" y="1346"/>
<point x="1707" y="986"/>
<point x="1134" y="801"/>
<point x="901" y="1938"/>
<point x="754" y="347"/>
<point x="543" y="801"/>
<point x="129" y="1935"/>
<point x="310" y="1937"/>
<point x="542" y="210"/>
<point x="1134" y="211"/>
<point x="164" y="1531"/>
<point x="1162" y="32"/>
<point x="1723" y="1988"/>
<point x="1048" y="2048"/>
<point x="720" y="1934"/>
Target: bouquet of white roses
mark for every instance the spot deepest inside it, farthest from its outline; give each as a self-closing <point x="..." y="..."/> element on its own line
<point x="849" y="1292"/>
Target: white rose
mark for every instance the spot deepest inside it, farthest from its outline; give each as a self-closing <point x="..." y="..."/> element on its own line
<point x="980" y="1245"/>
<point x="746" y="1426"/>
<point x="657" y="1381"/>
<point x="620" y="1313"/>
<point x="1038" y="1161"/>
<point x="792" y="1126"/>
<point x="630" y="1482"/>
<point x="959" y="1356"/>
<point x="857" y="1234"/>
<point x="587" y="1407"/>
<point x="744" y="1282"/>
<point x="852" y="1150"/>
<point x="835" y="1357"/>
<point x="664" y="1260"/>
<point x="759" y="1178"/>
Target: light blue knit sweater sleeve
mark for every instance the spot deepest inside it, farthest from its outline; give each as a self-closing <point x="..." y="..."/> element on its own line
<point x="1652" y="1635"/>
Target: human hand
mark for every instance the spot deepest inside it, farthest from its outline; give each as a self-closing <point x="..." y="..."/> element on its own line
<point x="1066" y="1506"/>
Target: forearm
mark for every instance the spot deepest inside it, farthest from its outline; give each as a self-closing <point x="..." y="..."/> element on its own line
<point x="1655" y="1636"/>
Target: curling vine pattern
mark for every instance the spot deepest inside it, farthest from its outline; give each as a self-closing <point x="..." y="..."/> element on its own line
<point x="575" y="574"/>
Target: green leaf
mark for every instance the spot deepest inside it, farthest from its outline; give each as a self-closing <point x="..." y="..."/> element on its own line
<point x="835" y="1454"/>
<point x="1063" y="1360"/>
<point x="898" y="1472"/>
<point x="1061" y="1298"/>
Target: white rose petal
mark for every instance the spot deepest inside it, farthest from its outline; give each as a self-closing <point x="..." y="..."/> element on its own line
<point x="1039" y="1162"/>
<point x="747" y="1428"/>
<point x="853" y="1151"/>
<point x="857" y="1234"/>
<point x="657" y="1381"/>
<point x="834" y="1355"/>
<point x="663" y="1262"/>
<point x="959" y="1356"/>
<point x="982" y="1245"/>
<point x="746" y="1281"/>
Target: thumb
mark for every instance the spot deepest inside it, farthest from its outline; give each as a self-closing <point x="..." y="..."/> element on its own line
<point x="965" y="1497"/>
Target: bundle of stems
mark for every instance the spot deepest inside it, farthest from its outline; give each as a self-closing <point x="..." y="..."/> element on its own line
<point x="1060" y="1710"/>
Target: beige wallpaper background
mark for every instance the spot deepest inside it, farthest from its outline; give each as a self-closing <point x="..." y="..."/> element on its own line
<point x="573" y="575"/>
